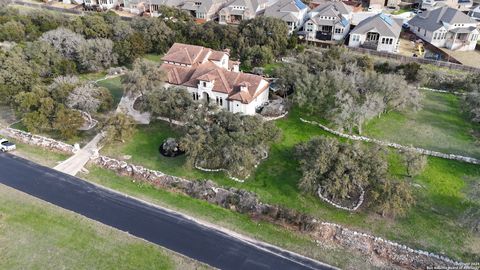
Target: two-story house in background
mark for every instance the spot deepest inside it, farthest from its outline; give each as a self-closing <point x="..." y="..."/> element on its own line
<point x="329" y="21"/>
<point x="211" y="77"/>
<point x="204" y="10"/>
<point x="238" y="10"/>
<point x="446" y="27"/>
<point x="379" y="32"/>
<point x="293" y="12"/>
<point x="201" y="10"/>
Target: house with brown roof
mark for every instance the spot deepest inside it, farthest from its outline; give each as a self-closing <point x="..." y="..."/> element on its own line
<point x="211" y="76"/>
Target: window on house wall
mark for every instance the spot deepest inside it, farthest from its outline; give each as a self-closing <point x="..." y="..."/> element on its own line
<point x="154" y="7"/>
<point x="219" y="101"/>
<point x="195" y="96"/>
<point x="204" y="84"/>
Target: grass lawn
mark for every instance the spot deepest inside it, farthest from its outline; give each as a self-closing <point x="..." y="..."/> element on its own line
<point x="432" y="224"/>
<point x="439" y="125"/>
<point x="38" y="154"/>
<point x="225" y="218"/>
<point x="270" y="67"/>
<point x="400" y="11"/>
<point x="153" y="57"/>
<point x="114" y="85"/>
<point x="38" y="235"/>
<point x="92" y="76"/>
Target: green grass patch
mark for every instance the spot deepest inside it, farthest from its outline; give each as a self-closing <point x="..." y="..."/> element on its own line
<point x="38" y="154"/>
<point x="268" y="68"/>
<point x="114" y="85"/>
<point x="38" y="235"/>
<point x="92" y="76"/>
<point x="439" y="125"/>
<point x="400" y="11"/>
<point x="240" y="223"/>
<point x="432" y="224"/>
<point x="153" y="57"/>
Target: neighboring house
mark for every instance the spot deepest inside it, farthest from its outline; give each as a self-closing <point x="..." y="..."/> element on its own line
<point x="446" y="27"/>
<point x="328" y="21"/>
<point x="462" y="5"/>
<point x="376" y="5"/>
<point x="103" y="4"/>
<point x="379" y="32"/>
<point x="202" y="10"/>
<point x="475" y="13"/>
<point x="239" y="10"/>
<point x="293" y="12"/>
<point x="211" y="77"/>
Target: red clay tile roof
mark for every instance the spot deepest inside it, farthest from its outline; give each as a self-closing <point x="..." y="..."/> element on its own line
<point x="224" y="81"/>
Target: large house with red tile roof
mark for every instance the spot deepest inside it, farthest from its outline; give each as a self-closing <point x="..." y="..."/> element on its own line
<point x="212" y="77"/>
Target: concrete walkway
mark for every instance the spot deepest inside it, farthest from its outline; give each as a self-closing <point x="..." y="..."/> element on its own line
<point x="75" y="163"/>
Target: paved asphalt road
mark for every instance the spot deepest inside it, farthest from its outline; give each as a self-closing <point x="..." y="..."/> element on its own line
<point x="142" y="220"/>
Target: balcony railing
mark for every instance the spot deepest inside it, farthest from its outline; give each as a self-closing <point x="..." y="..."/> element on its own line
<point x="370" y="44"/>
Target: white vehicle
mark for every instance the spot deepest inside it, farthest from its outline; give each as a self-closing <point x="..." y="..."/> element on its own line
<point x="6" y="146"/>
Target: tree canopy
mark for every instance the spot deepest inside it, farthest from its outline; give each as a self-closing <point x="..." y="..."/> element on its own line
<point x="226" y="140"/>
<point x="341" y="171"/>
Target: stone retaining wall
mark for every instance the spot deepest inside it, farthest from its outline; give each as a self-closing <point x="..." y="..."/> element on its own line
<point x="37" y="140"/>
<point x="395" y="145"/>
<point x="247" y="202"/>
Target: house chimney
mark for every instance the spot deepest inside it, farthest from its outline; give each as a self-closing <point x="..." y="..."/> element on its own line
<point x="244" y="86"/>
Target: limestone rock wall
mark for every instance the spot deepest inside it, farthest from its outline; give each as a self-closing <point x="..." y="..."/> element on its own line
<point x="247" y="202"/>
<point x="37" y="140"/>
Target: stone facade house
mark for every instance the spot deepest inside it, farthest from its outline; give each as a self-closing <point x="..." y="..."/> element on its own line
<point x="238" y="10"/>
<point x="446" y="27"/>
<point x="103" y="4"/>
<point x="379" y="32"/>
<point x="210" y="76"/>
<point x="329" y="21"/>
<point x="293" y="12"/>
<point x="201" y="10"/>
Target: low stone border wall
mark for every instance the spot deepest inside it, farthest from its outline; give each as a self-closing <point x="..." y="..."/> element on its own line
<point x="227" y="172"/>
<point x="396" y="145"/>
<point x="41" y="141"/>
<point x="359" y="203"/>
<point x="441" y="91"/>
<point x="273" y="118"/>
<point x="248" y="203"/>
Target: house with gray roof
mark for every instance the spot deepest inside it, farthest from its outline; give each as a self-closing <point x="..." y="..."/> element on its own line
<point x="446" y="27"/>
<point x="379" y="32"/>
<point x="238" y="10"/>
<point x="462" y="5"/>
<point x="329" y="21"/>
<point x="293" y="12"/>
<point x="202" y="10"/>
